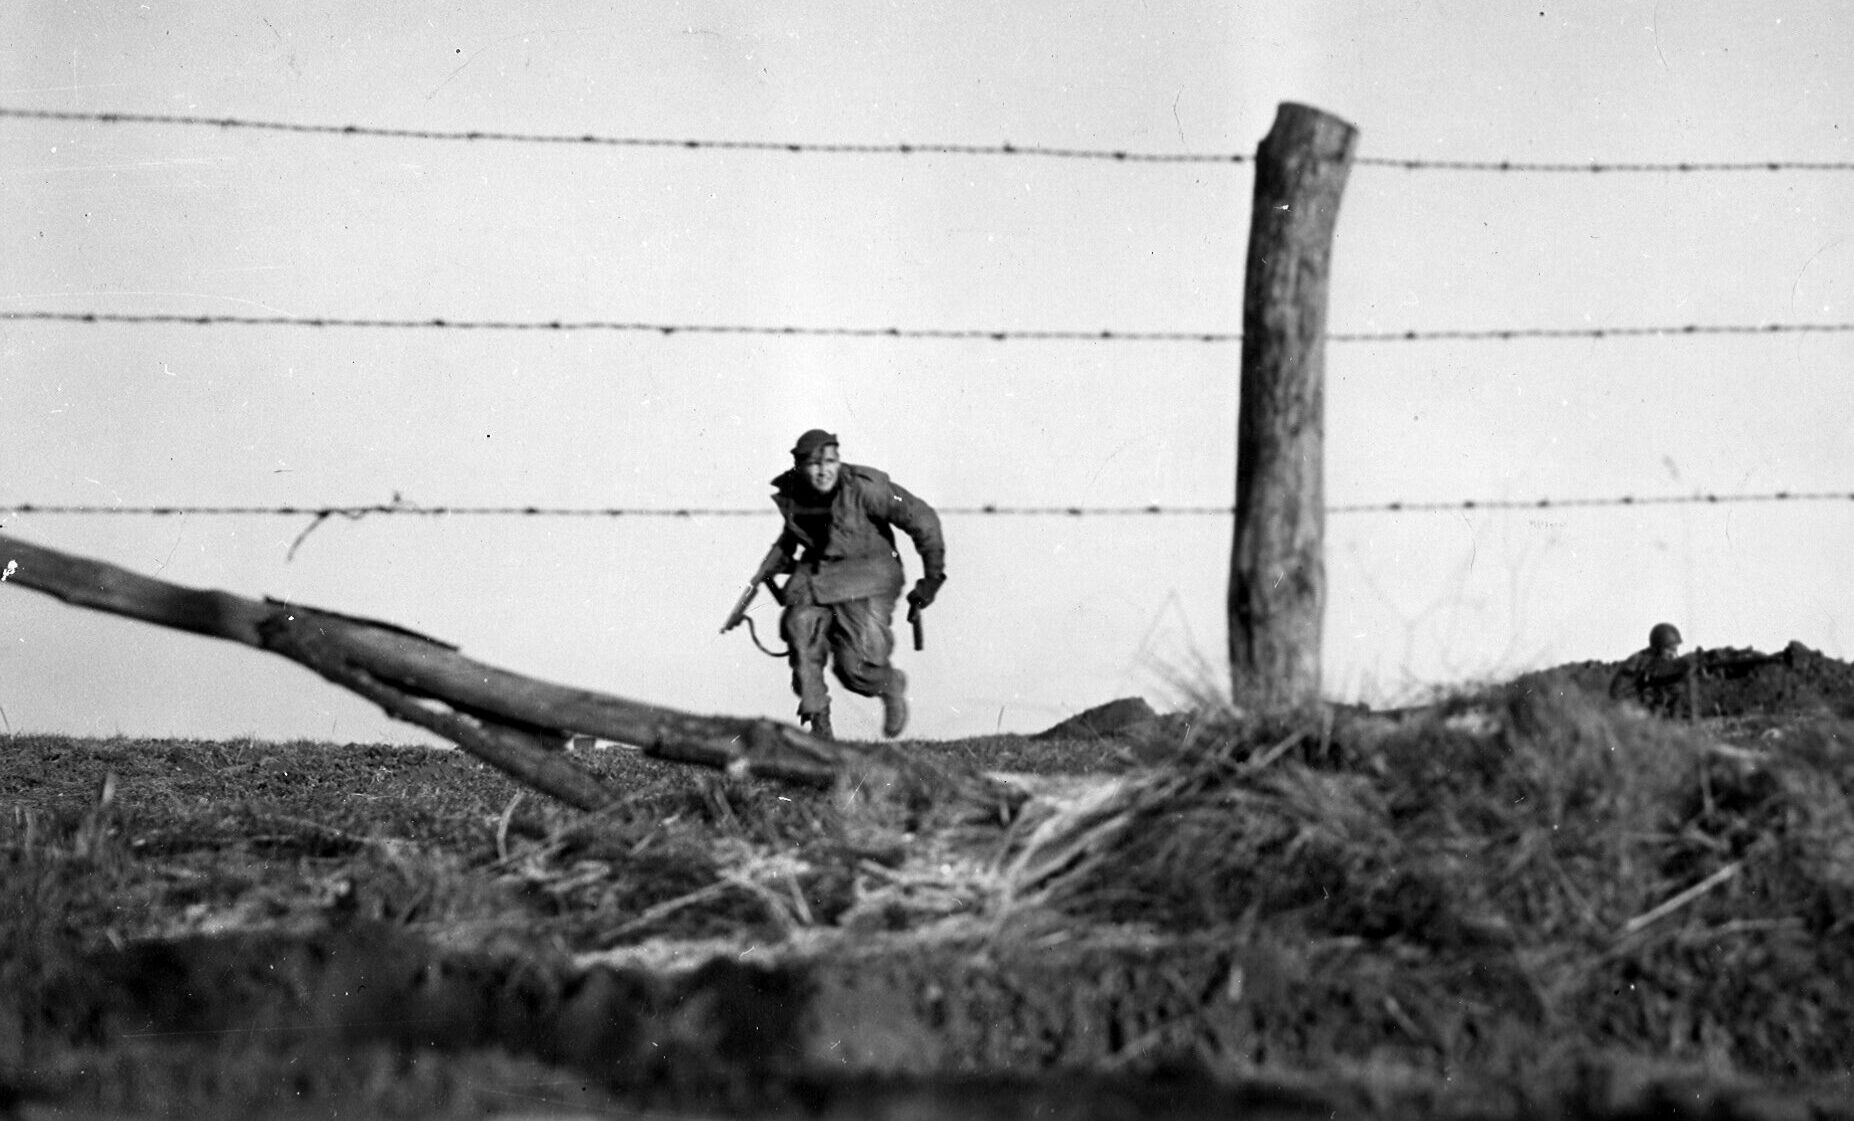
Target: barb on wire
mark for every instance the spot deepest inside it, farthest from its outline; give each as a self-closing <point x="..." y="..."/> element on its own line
<point x="321" y="514"/>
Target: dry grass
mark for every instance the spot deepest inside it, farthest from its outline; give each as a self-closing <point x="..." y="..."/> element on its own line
<point x="1499" y="879"/>
<point x="1523" y="886"/>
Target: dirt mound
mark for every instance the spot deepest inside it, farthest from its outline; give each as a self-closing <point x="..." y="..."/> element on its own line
<point x="1499" y="877"/>
<point x="1515" y="894"/>
<point x="947" y="1024"/>
<point x="1102" y="720"/>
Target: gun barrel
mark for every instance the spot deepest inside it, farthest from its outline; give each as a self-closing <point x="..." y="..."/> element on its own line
<point x="1741" y="665"/>
<point x="735" y="617"/>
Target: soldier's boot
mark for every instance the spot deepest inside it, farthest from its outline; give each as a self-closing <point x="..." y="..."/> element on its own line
<point x="895" y="704"/>
<point x="820" y="723"/>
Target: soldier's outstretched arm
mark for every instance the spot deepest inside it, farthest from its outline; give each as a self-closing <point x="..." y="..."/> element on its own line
<point x="919" y="521"/>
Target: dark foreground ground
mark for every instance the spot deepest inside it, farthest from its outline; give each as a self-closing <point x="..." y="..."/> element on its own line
<point x="1521" y="902"/>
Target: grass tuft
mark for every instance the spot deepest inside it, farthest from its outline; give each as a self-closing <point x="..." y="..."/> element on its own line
<point x="1511" y="865"/>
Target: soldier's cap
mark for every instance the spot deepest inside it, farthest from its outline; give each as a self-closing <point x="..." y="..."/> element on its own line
<point x="811" y="443"/>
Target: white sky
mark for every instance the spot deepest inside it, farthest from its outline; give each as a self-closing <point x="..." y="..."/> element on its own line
<point x="1042" y="616"/>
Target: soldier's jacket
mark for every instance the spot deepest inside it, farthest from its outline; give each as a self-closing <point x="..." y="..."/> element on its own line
<point x="848" y="543"/>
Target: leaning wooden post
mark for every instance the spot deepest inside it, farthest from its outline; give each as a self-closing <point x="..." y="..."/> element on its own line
<point x="1277" y="593"/>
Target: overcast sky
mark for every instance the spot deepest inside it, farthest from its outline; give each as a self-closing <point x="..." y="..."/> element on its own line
<point x="1042" y="616"/>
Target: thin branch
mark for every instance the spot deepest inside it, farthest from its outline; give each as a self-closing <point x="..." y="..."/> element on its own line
<point x="1642" y="920"/>
<point x="514" y="723"/>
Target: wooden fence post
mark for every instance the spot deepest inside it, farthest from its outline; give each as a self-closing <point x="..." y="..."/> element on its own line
<point x="1277" y="592"/>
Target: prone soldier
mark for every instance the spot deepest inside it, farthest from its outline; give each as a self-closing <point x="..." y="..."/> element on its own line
<point x="1657" y="678"/>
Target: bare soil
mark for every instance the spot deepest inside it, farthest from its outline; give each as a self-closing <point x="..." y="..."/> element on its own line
<point x="1194" y="915"/>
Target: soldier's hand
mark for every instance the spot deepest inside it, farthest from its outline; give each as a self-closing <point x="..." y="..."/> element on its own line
<point x="925" y="589"/>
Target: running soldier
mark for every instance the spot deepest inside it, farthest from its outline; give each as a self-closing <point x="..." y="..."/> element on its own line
<point x="840" y="595"/>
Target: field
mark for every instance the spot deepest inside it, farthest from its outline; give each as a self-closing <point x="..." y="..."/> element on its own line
<point x="1521" y="901"/>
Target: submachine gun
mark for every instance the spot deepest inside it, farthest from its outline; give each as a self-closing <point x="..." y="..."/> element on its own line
<point x="774" y="563"/>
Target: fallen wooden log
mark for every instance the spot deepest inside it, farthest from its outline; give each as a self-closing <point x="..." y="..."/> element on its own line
<point x="514" y="723"/>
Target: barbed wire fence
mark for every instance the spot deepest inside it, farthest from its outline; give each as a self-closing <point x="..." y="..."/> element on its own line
<point x="322" y="513"/>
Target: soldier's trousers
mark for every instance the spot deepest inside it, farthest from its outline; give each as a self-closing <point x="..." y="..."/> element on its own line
<point x="853" y="635"/>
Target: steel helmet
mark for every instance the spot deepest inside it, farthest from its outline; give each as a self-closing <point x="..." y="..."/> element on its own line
<point x="1664" y="636"/>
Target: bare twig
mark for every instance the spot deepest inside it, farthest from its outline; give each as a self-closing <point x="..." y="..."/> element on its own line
<point x="557" y="840"/>
<point x="1681" y="900"/>
<point x="667" y="907"/>
<point x="1277" y="751"/>
<point x="1711" y="934"/>
<point x="353" y="515"/>
<point x="96" y="822"/>
<point x="313" y="525"/>
<point x="502" y="828"/>
<point x="331" y="831"/>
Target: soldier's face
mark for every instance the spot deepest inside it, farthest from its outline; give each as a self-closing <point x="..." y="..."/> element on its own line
<point x="822" y="468"/>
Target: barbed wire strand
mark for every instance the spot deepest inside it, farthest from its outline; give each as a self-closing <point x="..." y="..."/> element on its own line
<point x="1515" y="334"/>
<point x="1492" y="334"/>
<point x="1600" y="168"/>
<point x="993" y="335"/>
<point x="903" y="148"/>
<point x="322" y="513"/>
<point x="899" y="148"/>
